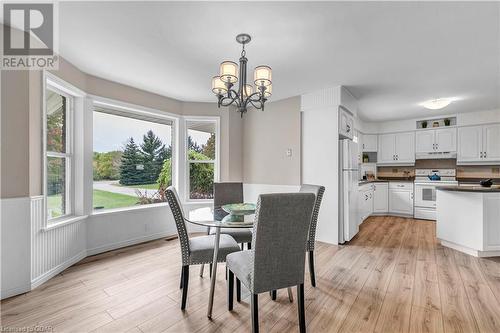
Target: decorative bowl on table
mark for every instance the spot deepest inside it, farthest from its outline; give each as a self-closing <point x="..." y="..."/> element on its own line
<point x="239" y="208"/>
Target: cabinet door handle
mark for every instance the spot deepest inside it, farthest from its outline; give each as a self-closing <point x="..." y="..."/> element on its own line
<point x="481" y="155"/>
<point x="348" y="128"/>
<point x="484" y="154"/>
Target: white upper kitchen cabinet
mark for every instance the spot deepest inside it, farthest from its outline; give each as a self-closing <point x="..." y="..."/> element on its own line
<point x="479" y="144"/>
<point x="396" y="149"/>
<point x="436" y="140"/>
<point x="369" y="143"/>
<point x="386" y="148"/>
<point x="405" y="147"/>
<point x="446" y="140"/>
<point x="380" y="197"/>
<point x="470" y="142"/>
<point x="346" y="124"/>
<point x="491" y="142"/>
<point x="425" y="141"/>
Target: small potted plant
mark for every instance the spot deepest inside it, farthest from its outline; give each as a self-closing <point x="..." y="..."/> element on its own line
<point x="424" y="124"/>
<point x="447" y="121"/>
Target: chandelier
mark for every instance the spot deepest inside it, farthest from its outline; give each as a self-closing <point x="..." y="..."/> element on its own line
<point x="222" y="85"/>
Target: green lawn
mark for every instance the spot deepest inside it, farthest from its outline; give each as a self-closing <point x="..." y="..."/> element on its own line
<point x="54" y="203"/>
<point x="144" y="186"/>
<point x="102" y="199"/>
<point x="107" y="200"/>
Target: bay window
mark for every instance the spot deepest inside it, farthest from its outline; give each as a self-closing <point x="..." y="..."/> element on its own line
<point x="132" y="158"/>
<point x="58" y="153"/>
<point x="202" y="157"/>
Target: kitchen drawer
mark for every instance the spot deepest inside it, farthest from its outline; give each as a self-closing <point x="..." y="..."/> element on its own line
<point x="402" y="185"/>
<point x="365" y="187"/>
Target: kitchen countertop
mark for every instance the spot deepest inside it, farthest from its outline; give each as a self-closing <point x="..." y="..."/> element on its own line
<point x="402" y="180"/>
<point x="469" y="188"/>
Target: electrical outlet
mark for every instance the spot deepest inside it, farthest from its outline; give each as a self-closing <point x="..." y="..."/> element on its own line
<point x="394" y="170"/>
<point x="495" y="170"/>
<point x="289" y="152"/>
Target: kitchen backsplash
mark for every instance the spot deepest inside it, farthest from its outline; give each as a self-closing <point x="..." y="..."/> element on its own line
<point x="463" y="172"/>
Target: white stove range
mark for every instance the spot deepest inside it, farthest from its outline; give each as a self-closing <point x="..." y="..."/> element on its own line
<point x="426" y="181"/>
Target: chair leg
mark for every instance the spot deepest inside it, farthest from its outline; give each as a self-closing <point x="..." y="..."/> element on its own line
<point x="238" y="290"/>
<point x="255" y="313"/>
<point x="301" y="308"/>
<point x="182" y="277"/>
<point x="311" y="268"/>
<point x="210" y="270"/>
<point x="185" y="281"/>
<point x="290" y="295"/>
<point x="249" y="245"/>
<point x="202" y="268"/>
<point x="242" y="246"/>
<point x="273" y="294"/>
<point x="230" y="289"/>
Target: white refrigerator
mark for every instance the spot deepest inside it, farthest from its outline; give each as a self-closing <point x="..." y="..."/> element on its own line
<point x="348" y="192"/>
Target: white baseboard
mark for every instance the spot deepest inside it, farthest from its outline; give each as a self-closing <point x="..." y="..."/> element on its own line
<point x="129" y="242"/>
<point x="469" y="251"/>
<point x="58" y="269"/>
<point x="15" y="291"/>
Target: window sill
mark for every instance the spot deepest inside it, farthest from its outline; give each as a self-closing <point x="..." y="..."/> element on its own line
<point x="64" y="221"/>
<point x="127" y="209"/>
<point x="197" y="202"/>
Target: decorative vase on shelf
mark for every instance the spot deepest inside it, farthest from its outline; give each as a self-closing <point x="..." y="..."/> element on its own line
<point x="447" y="122"/>
<point x="435" y="124"/>
<point x="424" y="124"/>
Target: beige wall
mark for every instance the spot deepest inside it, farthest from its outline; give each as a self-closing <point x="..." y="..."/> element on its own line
<point x="266" y="137"/>
<point x="104" y="88"/>
<point x="230" y="136"/>
<point x="14" y="134"/>
<point x="22" y="124"/>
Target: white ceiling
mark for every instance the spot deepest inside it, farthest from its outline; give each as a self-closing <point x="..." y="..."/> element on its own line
<point x="391" y="55"/>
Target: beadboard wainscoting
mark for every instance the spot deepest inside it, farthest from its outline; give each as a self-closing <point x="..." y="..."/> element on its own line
<point x="15" y="246"/>
<point x="110" y="230"/>
<point x="53" y="250"/>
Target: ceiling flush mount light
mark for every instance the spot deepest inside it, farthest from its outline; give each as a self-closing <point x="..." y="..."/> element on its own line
<point x="436" y="104"/>
<point x="222" y="84"/>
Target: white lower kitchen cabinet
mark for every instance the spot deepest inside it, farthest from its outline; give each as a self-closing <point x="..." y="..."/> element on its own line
<point x="401" y="198"/>
<point x="380" y="198"/>
<point x="365" y="201"/>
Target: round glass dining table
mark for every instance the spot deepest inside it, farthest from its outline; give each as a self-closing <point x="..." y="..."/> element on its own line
<point x="240" y="216"/>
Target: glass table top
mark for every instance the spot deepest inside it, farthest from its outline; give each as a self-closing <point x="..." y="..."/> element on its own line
<point x="205" y="217"/>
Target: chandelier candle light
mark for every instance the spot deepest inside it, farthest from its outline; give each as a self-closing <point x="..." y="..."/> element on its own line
<point x="228" y="76"/>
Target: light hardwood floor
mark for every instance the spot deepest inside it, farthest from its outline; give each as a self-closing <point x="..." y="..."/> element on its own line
<point x="393" y="277"/>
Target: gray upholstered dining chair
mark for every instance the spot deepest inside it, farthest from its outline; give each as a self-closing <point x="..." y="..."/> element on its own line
<point x="311" y="238"/>
<point x="196" y="250"/>
<point x="224" y="194"/>
<point x="277" y="257"/>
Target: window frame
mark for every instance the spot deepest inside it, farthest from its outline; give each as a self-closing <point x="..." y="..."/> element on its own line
<point x="187" y="164"/>
<point x="68" y="155"/>
<point x="133" y="109"/>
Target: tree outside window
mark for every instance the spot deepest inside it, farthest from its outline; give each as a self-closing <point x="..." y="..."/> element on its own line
<point x="201" y="155"/>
